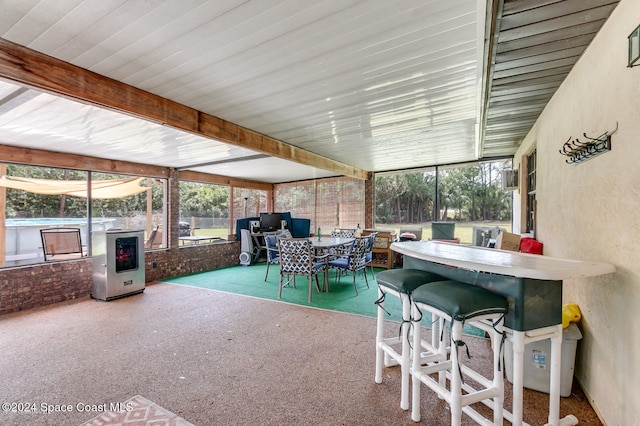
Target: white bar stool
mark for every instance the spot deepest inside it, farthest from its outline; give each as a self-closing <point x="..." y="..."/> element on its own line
<point x="460" y="303"/>
<point x="399" y="283"/>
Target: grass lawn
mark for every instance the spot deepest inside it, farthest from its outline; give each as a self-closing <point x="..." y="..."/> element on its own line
<point x="213" y="232"/>
<point x="464" y="230"/>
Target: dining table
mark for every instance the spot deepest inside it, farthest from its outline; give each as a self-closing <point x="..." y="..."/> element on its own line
<point x="533" y="285"/>
<point x="323" y="244"/>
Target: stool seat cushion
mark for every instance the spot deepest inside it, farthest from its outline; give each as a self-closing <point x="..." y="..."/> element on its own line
<point x="459" y="300"/>
<point x="405" y="280"/>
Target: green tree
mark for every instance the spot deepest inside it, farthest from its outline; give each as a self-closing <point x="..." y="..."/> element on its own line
<point x="23" y="204"/>
<point x="203" y="200"/>
<point x="473" y="191"/>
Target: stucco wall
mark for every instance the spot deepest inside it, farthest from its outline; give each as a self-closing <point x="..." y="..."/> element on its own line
<point x="591" y="211"/>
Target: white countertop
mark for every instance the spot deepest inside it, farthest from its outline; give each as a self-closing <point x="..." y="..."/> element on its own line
<point x="504" y="262"/>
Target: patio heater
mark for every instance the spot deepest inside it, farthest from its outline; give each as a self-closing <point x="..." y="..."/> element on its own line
<point x="118" y="264"/>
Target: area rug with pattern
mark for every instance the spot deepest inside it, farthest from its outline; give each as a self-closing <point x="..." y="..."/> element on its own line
<point x="138" y="411"/>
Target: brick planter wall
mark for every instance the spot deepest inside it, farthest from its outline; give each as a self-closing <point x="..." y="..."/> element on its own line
<point x="32" y="286"/>
<point x="29" y="287"/>
<point x="190" y="259"/>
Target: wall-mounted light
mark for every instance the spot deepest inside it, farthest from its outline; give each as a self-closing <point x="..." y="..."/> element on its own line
<point x="634" y="47"/>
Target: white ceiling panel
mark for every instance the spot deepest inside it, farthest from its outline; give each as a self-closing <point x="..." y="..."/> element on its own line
<point x="72" y="127"/>
<point x="374" y="84"/>
<point x="269" y="169"/>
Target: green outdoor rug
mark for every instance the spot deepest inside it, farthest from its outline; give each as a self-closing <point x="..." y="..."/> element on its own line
<point x="249" y="281"/>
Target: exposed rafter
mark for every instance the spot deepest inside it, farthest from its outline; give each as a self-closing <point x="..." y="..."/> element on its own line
<point x="42" y="72"/>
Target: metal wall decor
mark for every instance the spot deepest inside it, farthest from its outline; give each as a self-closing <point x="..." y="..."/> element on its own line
<point x="579" y="151"/>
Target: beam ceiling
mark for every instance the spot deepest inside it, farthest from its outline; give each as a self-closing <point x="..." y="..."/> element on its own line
<point x="282" y="90"/>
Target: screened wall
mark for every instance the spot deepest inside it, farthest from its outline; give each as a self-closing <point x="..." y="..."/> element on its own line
<point x="65" y="198"/>
<point x="329" y="203"/>
<point x="470" y="196"/>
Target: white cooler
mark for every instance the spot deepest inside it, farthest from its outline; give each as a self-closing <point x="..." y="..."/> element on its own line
<point x="536" y="362"/>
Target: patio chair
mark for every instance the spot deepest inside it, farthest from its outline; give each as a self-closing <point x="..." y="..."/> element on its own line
<point x="284" y="234"/>
<point x="369" y="253"/>
<point x="273" y="254"/>
<point x="155" y="239"/>
<point x="353" y="262"/>
<point x="297" y="258"/>
<point x="346" y="248"/>
<point x="343" y="233"/>
<point x="61" y="243"/>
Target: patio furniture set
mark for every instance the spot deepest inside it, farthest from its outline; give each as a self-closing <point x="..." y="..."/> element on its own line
<point x="343" y="252"/>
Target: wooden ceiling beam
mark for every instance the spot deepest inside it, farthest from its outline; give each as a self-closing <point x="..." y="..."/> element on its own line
<point x="37" y="157"/>
<point x="36" y="70"/>
<point x="14" y="154"/>
<point x="188" y="175"/>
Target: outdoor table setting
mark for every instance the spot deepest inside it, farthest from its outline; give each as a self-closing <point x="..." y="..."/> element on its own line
<point x="324" y="244"/>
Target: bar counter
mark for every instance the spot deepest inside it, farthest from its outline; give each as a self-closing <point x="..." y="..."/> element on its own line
<point x="532" y="284"/>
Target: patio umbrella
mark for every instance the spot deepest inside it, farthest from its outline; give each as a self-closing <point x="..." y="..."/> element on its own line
<point x="100" y="189"/>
